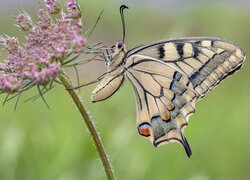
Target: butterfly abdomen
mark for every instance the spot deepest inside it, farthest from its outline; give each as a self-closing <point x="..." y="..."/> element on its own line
<point x="108" y="86"/>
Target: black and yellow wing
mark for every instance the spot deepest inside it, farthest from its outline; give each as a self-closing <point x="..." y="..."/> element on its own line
<point x="205" y="61"/>
<point x="165" y="99"/>
<point x="169" y="77"/>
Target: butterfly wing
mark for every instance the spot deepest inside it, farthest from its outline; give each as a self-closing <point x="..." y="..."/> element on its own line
<point x="165" y="100"/>
<point x="205" y="61"/>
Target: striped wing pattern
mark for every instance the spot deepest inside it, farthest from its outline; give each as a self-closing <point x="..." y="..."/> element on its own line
<point x="205" y="61"/>
<point x="168" y="78"/>
<point x="165" y="100"/>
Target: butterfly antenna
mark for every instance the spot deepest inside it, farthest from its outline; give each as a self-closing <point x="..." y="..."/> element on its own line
<point x="123" y="21"/>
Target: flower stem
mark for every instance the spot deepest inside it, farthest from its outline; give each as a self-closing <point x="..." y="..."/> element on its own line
<point x="92" y="129"/>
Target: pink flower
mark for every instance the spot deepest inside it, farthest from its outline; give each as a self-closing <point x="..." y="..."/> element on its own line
<point x="45" y="20"/>
<point x="71" y="5"/>
<point x="9" y="83"/>
<point x="49" y="2"/>
<point x="78" y="44"/>
<point x="49" y="43"/>
<point x="46" y="74"/>
<point x="78" y="28"/>
<point x="53" y="6"/>
<point x="24" y="22"/>
<point x="10" y="44"/>
<point x="73" y="9"/>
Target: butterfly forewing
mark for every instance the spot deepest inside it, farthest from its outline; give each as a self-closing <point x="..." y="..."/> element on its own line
<point x="205" y="61"/>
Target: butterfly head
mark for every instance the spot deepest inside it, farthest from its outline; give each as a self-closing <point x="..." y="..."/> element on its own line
<point x="119" y="51"/>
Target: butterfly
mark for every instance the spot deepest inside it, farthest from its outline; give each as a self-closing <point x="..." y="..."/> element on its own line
<point x="168" y="78"/>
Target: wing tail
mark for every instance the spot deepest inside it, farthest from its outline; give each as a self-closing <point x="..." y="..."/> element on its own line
<point x="186" y="145"/>
<point x="164" y="133"/>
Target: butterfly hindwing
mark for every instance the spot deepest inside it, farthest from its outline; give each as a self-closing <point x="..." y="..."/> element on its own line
<point x="205" y="61"/>
<point x="165" y="100"/>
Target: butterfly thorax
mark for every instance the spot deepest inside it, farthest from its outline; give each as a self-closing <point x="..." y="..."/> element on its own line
<point x="117" y="58"/>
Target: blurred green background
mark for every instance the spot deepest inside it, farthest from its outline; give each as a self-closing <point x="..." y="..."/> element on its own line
<point x="38" y="144"/>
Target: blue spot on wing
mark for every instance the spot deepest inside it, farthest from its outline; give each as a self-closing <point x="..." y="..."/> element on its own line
<point x="194" y="75"/>
<point x="156" y="118"/>
<point x="177" y="76"/>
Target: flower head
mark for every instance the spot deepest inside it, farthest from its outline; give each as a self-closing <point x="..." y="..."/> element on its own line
<point x="49" y="43"/>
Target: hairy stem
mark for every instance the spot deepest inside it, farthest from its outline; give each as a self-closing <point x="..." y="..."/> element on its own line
<point x="92" y="129"/>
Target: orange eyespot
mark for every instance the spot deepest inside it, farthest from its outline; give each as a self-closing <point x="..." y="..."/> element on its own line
<point x="165" y="116"/>
<point x="170" y="106"/>
<point x="144" y="129"/>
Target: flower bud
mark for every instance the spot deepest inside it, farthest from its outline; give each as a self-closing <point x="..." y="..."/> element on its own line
<point x="24" y="22"/>
<point x="78" y="44"/>
<point x="53" y="6"/>
<point x="73" y="9"/>
<point x="78" y="28"/>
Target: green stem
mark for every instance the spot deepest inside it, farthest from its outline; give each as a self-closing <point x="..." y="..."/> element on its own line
<point x="92" y="129"/>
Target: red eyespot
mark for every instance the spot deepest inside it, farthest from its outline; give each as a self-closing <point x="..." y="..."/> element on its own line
<point x="144" y="129"/>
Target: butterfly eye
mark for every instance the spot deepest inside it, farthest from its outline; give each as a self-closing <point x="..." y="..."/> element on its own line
<point x="120" y="44"/>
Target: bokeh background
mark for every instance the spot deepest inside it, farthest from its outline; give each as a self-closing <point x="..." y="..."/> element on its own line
<point x="37" y="143"/>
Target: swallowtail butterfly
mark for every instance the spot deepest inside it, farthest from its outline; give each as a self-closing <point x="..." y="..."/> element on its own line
<point x="168" y="78"/>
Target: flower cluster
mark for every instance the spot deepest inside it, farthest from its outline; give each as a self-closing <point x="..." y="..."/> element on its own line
<point x="53" y="6"/>
<point x="49" y="43"/>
